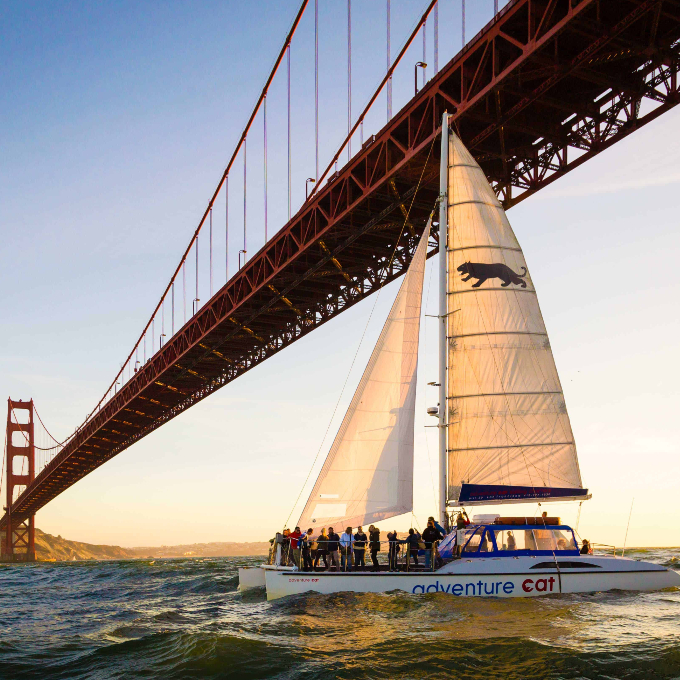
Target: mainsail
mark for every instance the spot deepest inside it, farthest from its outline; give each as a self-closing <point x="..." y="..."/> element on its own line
<point x="509" y="437"/>
<point x="368" y="474"/>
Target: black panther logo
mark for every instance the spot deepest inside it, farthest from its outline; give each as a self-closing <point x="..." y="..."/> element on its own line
<point x="482" y="272"/>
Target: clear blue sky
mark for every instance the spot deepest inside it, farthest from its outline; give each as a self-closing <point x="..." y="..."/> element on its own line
<point x="116" y="121"/>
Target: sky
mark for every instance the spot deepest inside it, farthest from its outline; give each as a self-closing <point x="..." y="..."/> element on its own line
<point x="116" y="122"/>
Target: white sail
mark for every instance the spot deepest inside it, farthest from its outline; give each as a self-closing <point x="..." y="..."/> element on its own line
<point x="368" y="474"/>
<point x="509" y="436"/>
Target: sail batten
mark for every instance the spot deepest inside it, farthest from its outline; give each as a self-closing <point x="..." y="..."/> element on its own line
<point x="368" y="473"/>
<point x="509" y="436"/>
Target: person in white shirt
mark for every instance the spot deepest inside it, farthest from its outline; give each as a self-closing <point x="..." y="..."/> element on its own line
<point x="346" y="544"/>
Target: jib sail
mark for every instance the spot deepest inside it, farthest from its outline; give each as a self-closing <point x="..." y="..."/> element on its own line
<point x="368" y="474"/>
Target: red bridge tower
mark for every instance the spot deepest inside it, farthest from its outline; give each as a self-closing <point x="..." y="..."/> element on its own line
<point x="18" y="542"/>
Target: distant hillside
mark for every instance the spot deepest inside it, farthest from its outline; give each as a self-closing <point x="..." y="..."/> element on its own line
<point x="48" y="547"/>
<point x="205" y="550"/>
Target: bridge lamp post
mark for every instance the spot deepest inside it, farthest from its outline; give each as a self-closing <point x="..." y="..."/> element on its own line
<point x="309" y="179"/>
<point x="194" y="306"/>
<point x="420" y="64"/>
<point x="160" y="340"/>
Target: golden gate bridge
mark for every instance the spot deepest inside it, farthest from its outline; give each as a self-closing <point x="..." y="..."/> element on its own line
<point x="542" y="88"/>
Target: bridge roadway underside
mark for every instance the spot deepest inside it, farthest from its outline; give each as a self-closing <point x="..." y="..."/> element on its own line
<point x="542" y="88"/>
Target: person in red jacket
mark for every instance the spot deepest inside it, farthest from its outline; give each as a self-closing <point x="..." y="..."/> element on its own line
<point x="295" y="546"/>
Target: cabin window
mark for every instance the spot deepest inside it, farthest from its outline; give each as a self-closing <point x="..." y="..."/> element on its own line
<point x="552" y="540"/>
<point x="473" y="541"/>
<point x="519" y="539"/>
<point x="481" y="540"/>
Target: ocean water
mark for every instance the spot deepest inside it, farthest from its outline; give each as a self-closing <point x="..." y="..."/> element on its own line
<point x="184" y="619"/>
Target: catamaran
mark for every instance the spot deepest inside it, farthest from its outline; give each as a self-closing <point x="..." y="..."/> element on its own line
<point x="504" y="431"/>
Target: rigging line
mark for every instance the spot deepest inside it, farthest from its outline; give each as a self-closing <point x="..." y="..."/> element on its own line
<point x="553" y="546"/>
<point x="625" y="540"/>
<point x="377" y="297"/>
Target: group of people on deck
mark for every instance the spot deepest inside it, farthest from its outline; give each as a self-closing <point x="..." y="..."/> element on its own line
<point x="328" y="550"/>
<point x="347" y="551"/>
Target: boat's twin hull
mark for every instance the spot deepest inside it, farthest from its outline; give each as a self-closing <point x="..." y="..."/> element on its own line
<point x="474" y="578"/>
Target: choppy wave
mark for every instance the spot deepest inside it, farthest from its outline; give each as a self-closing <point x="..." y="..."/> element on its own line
<point x="183" y="619"/>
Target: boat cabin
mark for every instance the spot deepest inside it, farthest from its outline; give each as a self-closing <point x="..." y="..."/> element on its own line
<point x="511" y="540"/>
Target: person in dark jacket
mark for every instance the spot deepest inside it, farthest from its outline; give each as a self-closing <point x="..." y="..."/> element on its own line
<point x="437" y="526"/>
<point x="321" y="549"/>
<point x="334" y="548"/>
<point x="430" y="536"/>
<point x="585" y="547"/>
<point x="306" y="547"/>
<point x="360" y="539"/>
<point x="393" y="550"/>
<point x="374" y="546"/>
<point x="412" y="541"/>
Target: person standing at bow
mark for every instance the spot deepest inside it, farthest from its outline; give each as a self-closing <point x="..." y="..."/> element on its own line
<point x="334" y="548"/>
<point x="393" y="550"/>
<point x="360" y="539"/>
<point x="374" y="546"/>
<point x="346" y="546"/>
<point x="295" y="547"/>
<point x="321" y="549"/>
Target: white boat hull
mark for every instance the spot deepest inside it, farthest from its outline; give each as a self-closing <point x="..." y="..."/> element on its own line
<point x="493" y="577"/>
<point x="253" y="577"/>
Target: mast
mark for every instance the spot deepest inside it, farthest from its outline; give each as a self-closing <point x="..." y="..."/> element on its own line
<point x="443" y="349"/>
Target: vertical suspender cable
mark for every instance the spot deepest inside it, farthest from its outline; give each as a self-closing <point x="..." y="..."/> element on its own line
<point x="173" y="307"/>
<point x="495" y="7"/>
<point x="153" y="336"/>
<point x="226" y="228"/>
<point x="245" y="187"/>
<point x="211" y="267"/>
<point x="184" y="288"/>
<point x="349" y="77"/>
<point x="424" y="53"/>
<point x="436" y="39"/>
<point x="389" y="63"/>
<point x="265" y="168"/>
<point x="463" y="21"/>
<point x="196" y="299"/>
<point x="316" y="84"/>
<point x="289" y="213"/>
